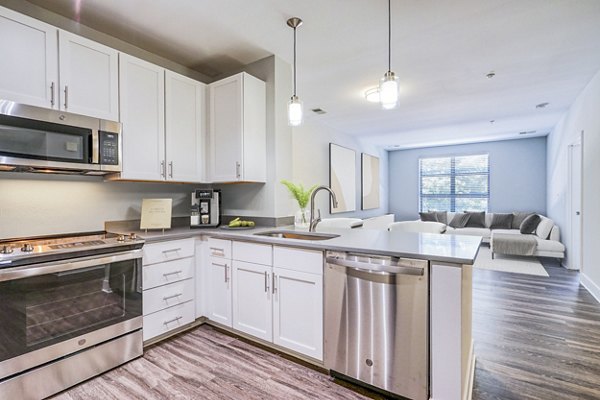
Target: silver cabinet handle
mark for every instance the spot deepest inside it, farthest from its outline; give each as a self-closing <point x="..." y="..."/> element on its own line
<point x="170" y="169"/>
<point x="266" y="282"/>
<point x="171" y="250"/>
<point x="172" y="273"/>
<point x="273" y="283"/>
<point x="226" y="277"/>
<point x="52" y="94"/>
<point x="217" y="252"/>
<point x="66" y="97"/>
<point x="162" y="168"/>
<point x="176" y="319"/>
<point x="171" y="296"/>
<point x="237" y="170"/>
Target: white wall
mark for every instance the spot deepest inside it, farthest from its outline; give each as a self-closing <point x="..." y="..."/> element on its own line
<point x="36" y="204"/>
<point x="584" y="115"/>
<point x="311" y="165"/>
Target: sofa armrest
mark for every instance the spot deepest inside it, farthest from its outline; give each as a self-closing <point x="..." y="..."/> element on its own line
<point x="555" y="233"/>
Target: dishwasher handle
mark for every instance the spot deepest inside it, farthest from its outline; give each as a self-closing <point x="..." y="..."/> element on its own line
<point x="377" y="269"/>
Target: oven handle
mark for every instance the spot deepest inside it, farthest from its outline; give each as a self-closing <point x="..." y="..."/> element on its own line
<point x="28" y="271"/>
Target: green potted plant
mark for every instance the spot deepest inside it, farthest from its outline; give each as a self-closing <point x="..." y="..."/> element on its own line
<point x="302" y="196"/>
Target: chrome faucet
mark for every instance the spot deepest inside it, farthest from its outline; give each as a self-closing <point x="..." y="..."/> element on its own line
<point x="314" y="221"/>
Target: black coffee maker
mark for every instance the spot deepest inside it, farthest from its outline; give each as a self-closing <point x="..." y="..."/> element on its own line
<point x="206" y="208"/>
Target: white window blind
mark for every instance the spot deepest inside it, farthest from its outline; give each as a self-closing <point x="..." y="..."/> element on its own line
<point x="460" y="183"/>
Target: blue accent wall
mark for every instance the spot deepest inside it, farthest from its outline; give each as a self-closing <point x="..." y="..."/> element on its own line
<point x="517" y="175"/>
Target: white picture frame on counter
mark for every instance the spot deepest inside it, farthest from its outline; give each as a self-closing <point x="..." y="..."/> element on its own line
<point x="342" y="178"/>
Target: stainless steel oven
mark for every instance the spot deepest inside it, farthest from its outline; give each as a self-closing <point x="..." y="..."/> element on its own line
<point x="34" y="139"/>
<point x="64" y="321"/>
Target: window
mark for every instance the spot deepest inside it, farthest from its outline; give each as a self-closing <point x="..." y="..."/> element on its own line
<point x="458" y="183"/>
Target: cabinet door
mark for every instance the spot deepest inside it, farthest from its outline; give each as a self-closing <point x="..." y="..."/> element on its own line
<point x="226" y="144"/>
<point x="252" y="308"/>
<point x="298" y="311"/>
<point x="219" y="291"/>
<point x="184" y="105"/>
<point x="142" y="98"/>
<point x="29" y="66"/>
<point x="88" y="77"/>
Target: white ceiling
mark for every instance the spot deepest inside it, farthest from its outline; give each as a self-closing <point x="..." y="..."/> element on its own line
<point x="541" y="51"/>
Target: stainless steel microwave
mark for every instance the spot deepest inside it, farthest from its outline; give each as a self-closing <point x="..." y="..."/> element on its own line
<point x="34" y="139"/>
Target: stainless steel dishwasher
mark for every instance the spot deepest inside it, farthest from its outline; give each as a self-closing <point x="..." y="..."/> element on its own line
<point x="377" y="322"/>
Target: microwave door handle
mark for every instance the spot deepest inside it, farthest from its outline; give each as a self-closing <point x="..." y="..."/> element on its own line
<point x="95" y="147"/>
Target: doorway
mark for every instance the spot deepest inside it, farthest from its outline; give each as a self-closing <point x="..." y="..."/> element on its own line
<point x="575" y="203"/>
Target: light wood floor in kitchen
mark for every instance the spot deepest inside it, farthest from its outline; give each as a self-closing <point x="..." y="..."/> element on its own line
<point x="536" y="338"/>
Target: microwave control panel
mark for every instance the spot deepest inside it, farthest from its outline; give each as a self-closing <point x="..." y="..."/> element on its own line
<point x="109" y="148"/>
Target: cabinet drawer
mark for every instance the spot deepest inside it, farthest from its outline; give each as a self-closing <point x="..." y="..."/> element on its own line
<point x="165" y="296"/>
<point x="219" y="248"/>
<point x="168" y="272"/>
<point x="302" y="260"/>
<point x="253" y="253"/>
<point x="167" y="251"/>
<point x="168" y="319"/>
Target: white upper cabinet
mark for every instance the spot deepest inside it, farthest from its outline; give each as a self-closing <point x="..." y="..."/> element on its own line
<point x="142" y="103"/>
<point x="88" y="77"/>
<point x="184" y="105"/>
<point x="29" y="66"/>
<point x="237" y="138"/>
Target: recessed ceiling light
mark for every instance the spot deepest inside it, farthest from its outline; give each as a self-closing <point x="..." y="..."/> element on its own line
<point x="492" y="121"/>
<point x="319" y="111"/>
<point x="396" y="145"/>
<point x="490" y="74"/>
<point x="542" y="105"/>
<point x="526" y="132"/>
<point x="372" y="95"/>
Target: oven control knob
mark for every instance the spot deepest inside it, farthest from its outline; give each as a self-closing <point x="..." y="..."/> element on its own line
<point x="27" y="248"/>
<point x="6" y="250"/>
<point x="132" y="236"/>
<point x="121" y="238"/>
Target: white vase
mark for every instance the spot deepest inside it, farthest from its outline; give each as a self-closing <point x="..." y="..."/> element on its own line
<point x="302" y="218"/>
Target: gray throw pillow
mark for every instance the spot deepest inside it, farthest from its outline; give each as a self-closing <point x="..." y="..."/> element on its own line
<point x="476" y="219"/>
<point x="529" y="224"/>
<point x="442" y="216"/>
<point x="428" y="216"/>
<point x="518" y="218"/>
<point x="502" y="221"/>
<point x="459" y="220"/>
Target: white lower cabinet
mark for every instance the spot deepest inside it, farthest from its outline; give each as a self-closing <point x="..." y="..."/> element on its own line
<point x="298" y="311"/>
<point x="252" y="299"/>
<point x="169" y="319"/>
<point x="219" y="290"/>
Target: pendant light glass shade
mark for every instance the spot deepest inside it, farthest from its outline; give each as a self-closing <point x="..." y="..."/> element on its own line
<point x="388" y="90"/>
<point x="295" y="112"/>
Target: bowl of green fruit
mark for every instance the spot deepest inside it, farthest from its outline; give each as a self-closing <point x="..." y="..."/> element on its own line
<point x="238" y="223"/>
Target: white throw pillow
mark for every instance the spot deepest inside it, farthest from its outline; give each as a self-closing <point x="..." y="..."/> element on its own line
<point x="544" y="228"/>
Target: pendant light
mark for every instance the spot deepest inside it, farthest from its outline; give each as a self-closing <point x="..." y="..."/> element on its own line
<point x="388" y="86"/>
<point x="295" y="113"/>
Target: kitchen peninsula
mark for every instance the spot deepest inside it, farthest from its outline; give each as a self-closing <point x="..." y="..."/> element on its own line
<point x="241" y="276"/>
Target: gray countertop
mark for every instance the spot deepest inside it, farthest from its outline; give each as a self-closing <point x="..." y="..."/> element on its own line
<point x="456" y="249"/>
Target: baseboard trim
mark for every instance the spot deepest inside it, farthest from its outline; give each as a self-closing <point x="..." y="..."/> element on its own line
<point x="468" y="395"/>
<point x="590" y="286"/>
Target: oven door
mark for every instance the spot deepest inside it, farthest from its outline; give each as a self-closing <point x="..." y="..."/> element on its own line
<point x="54" y="309"/>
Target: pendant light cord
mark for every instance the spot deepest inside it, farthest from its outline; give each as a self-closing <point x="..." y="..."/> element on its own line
<point x="389" y="35"/>
<point x="294" y="62"/>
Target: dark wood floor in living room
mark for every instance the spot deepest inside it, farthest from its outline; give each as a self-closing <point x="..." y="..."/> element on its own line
<point x="535" y="337"/>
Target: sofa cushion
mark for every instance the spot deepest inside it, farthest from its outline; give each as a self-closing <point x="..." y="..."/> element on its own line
<point x="502" y="221"/>
<point x="549" y="245"/>
<point x="483" y="232"/>
<point x="428" y="216"/>
<point x="476" y="219"/>
<point x="518" y="218"/>
<point x="442" y="216"/>
<point x="544" y="228"/>
<point x="529" y="224"/>
<point x="459" y="220"/>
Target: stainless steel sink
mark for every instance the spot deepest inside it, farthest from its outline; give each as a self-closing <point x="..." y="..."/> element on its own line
<point x="297" y="235"/>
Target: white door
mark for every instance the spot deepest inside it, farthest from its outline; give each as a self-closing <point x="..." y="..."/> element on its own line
<point x="298" y="312"/>
<point x="142" y="99"/>
<point x="29" y="66"/>
<point x="88" y="77"/>
<point x="226" y="130"/>
<point x="184" y="117"/>
<point x="252" y="309"/>
<point x="576" y="168"/>
<point x="219" y="290"/>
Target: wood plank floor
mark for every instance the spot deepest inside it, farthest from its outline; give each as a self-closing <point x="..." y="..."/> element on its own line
<point x="536" y="338"/>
